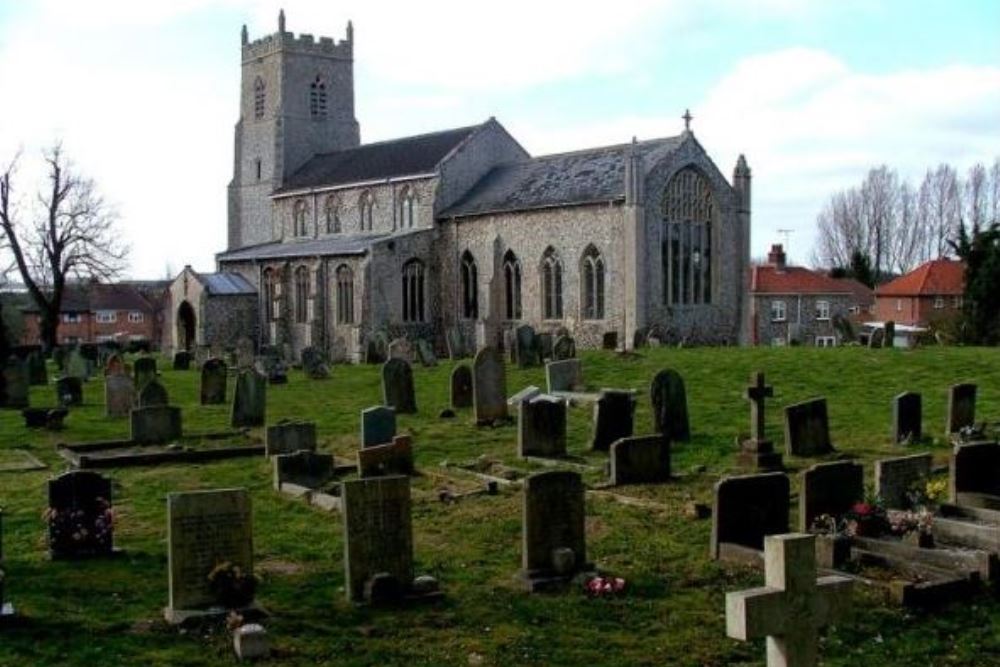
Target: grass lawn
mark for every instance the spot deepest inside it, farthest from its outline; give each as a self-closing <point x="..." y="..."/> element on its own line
<point x="110" y="612"/>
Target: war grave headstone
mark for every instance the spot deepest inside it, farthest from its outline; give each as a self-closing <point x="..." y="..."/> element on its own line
<point x="455" y="344"/>
<point x="400" y="348"/>
<point x="747" y="508"/>
<point x="69" y="391"/>
<point x="144" y="370"/>
<point x="526" y="347"/>
<point x="214" y="378"/>
<point x="155" y="424"/>
<point x="182" y="360"/>
<point x="541" y="427"/>
<point x="38" y="375"/>
<point x="669" y="401"/>
<point x="392" y="458"/>
<point x="249" y="399"/>
<point x="80" y="516"/>
<point x="16" y="383"/>
<point x="640" y="460"/>
<point x="209" y="554"/>
<point x="907" y="417"/>
<point x="119" y="395"/>
<point x="6" y="608"/>
<point x="563" y="348"/>
<point x="614" y="417"/>
<point x="961" y="407"/>
<point x="609" y="341"/>
<point x="461" y="387"/>
<point x="425" y="353"/>
<point x="287" y="437"/>
<point x="115" y="365"/>
<point x="314" y="364"/>
<point x="378" y="425"/>
<point x="792" y="605"/>
<point x="397" y="386"/>
<point x="489" y="386"/>
<point x="807" y="429"/>
<point x="152" y="393"/>
<point x="554" y="543"/>
<point x="757" y="451"/>
<point x="897" y="478"/>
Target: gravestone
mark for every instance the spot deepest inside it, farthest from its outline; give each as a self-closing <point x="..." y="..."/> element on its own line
<point x="69" y="391"/>
<point x="37" y="373"/>
<point x="48" y="418"/>
<point x="564" y="376"/>
<point x="747" y="508"/>
<point x="525" y="394"/>
<point x="119" y="395"/>
<point x="541" y="428"/>
<point x="6" y="608"/>
<point x="244" y="352"/>
<point x="461" y="387"/>
<point x="758" y="450"/>
<point x="182" y="360"/>
<point x="376" y="348"/>
<point x="206" y="529"/>
<point x="144" y="370"/>
<point x="974" y="475"/>
<point x="400" y="348"/>
<point x="526" y="347"/>
<point x="896" y="479"/>
<point x="640" y="460"/>
<point x="378" y="534"/>
<point x="563" y="348"/>
<point x="961" y="407"/>
<point x="214" y="377"/>
<point x="876" y="338"/>
<point x="155" y="424"/>
<point x="907" y="417"/>
<point x="830" y="488"/>
<point x="80" y="516"/>
<point x="489" y="386"/>
<point x="303" y="468"/>
<point x="545" y="346"/>
<point x="889" y="339"/>
<point x="287" y="437"/>
<point x="16" y="383"/>
<point x="425" y="353"/>
<point x="378" y="425"/>
<point x="609" y="341"/>
<point x="554" y="546"/>
<point x="397" y="386"/>
<point x="453" y="340"/>
<point x="394" y="458"/>
<point x="314" y="365"/>
<point x="77" y="365"/>
<point x="669" y="402"/>
<point x="249" y="399"/>
<point x="614" y="413"/>
<point x="792" y="605"/>
<point x="807" y="430"/>
<point x="152" y="393"/>
<point x="115" y="365"/>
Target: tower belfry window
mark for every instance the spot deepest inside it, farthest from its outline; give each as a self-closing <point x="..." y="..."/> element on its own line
<point x="258" y="98"/>
<point x="317" y="98"/>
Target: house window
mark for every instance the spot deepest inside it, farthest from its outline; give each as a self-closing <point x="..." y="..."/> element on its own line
<point x="826" y="341"/>
<point x="299" y="218"/>
<point x="512" y="285"/>
<point x="270" y="282"/>
<point x="592" y="274"/>
<point x="366" y="206"/>
<point x="345" y="295"/>
<point x="406" y="201"/>
<point x="258" y="98"/>
<point x="552" y="301"/>
<point x="899" y="305"/>
<point x="688" y="210"/>
<point x="938" y="302"/>
<point x="317" y="98"/>
<point x="854" y="310"/>
<point x="106" y="316"/>
<point x="301" y="295"/>
<point x="71" y="318"/>
<point x="331" y="211"/>
<point x="470" y="287"/>
<point x="956" y="301"/>
<point x="822" y="310"/>
<point x="778" y="311"/>
<point x="136" y="317"/>
<point x="413" y="291"/>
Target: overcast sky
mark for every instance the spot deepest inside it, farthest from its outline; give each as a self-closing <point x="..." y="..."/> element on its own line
<point x="144" y="94"/>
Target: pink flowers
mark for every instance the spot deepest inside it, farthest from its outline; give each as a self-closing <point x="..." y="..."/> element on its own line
<point x="862" y="509"/>
<point x="604" y="586"/>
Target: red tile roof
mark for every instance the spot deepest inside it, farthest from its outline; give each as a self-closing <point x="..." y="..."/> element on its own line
<point x="938" y="276"/>
<point x="863" y="294"/>
<point x="767" y="279"/>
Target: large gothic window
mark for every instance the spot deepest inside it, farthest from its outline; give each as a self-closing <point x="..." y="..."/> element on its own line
<point x="331" y="213"/>
<point x="258" y="98"/>
<point x="366" y="209"/>
<point x="345" y="295"/>
<point x="317" y="98"/>
<point x="688" y="214"/>
<point x="406" y="202"/>
<point x="301" y="295"/>
<point x="470" y="287"/>
<point x="413" y="291"/>
<point x="592" y="275"/>
<point x="552" y="296"/>
<point x="270" y="282"/>
<point x="512" y="285"/>
<point x="299" y="214"/>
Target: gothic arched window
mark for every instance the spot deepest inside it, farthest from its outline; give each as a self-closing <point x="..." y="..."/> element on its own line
<point x="331" y="211"/>
<point x="689" y="212"/>
<point x="592" y="275"/>
<point x="269" y="280"/>
<point x="366" y="207"/>
<point x="317" y="98"/>
<point x="258" y="98"/>
<point x="413" y="291"/>
<point x="512" y="285"/>
<point x="345" y="295"/>
<point x="552" y="297"/>
<point x="470" y="287"/>
<point x="299" y="214"/>
<point x="406" y="202"/>
<point x="301" y="295"/>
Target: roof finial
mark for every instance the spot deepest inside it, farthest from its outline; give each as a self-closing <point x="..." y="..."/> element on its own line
<point x="687" y="120"/>
<point x="281" y="20"/>
<point x="243" y="35"/>
<point x="350" y="31"/>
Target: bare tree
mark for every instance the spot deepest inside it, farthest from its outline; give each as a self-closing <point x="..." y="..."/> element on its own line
<point x="945" y="209"/>
<point x="976" y="196"/>
<point x="69" y="233"/>
<point x="994" y="192"/>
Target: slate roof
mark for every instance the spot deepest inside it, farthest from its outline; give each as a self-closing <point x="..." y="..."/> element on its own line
<point x="938" y="276"/>
<point x="385" y="159"/>
<point x="581" y="177"/>
<point x="227" y="284"/>
<point x="767" y="279"/>
<point x="334" y="245"/>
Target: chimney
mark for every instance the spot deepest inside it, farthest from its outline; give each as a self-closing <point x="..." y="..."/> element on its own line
<point x="776" y="257"/>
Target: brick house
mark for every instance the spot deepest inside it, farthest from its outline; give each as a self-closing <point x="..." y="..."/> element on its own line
<point x="932" y="291"/>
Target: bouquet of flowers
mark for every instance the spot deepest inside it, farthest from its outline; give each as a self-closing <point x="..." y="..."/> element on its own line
<point x="75" y="530"/>
<point x="598" y="587"/>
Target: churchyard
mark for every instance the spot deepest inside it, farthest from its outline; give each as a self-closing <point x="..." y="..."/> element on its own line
<point x="459" y="518"/>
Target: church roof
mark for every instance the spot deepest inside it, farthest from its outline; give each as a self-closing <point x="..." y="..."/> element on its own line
<point x="384" y="159"/>
<point x="226" y="284"/>
<point x="581" y="177"/>
<point x="334" y="245"/>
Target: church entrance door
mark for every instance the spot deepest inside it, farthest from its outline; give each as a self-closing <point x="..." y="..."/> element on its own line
<point x="185" y="326"/>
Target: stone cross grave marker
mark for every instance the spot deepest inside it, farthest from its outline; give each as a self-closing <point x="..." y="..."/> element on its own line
<point x="489" y="386"/>
<point x="303" y="468"/>
<point x="17" y="383"/>
<point x="614" y="413"/>
<point x="807" y="429"/>
<point x="378" y="535"/>
<point x="38" y="374"/>
<point x="155" y="424"/>
<point x="541" y="429"/>
<point x="758" y="450"/>
<point x="747" y="508"/>
<point x="206" y="529"/>
<point x="152" y="393"/>
<point x="214" y="377"/>
<point x="461" y="387"/>
<point x="829" y="488"/>
<point x="907" y="417"/>
<point x="393" y="458"/>
<point x="974" y="475"/>
<point x="895" y="478"/>
<point x="564" y="376"/>
<point x="670" y="411"/>
<point x="792" y="605"/>
<point x="397" y="386"/>
<point x="144" y="370"/>
<point x="288" y="437"/>
<point x="69" y="391"/>
<point x="378" y="426"/>
<point x="80" y="516"/>
<point x="640" y="460"/>
<point x="961" y="407"/>
<point x="119" y="395"/>
<point x="554" y="545"/>
<point x="249" y="399"/>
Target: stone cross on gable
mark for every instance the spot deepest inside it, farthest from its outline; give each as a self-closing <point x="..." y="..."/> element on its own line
<point x="792" y="606"/>
<point x="687" y="120"/>
<point x="756" y="394"/>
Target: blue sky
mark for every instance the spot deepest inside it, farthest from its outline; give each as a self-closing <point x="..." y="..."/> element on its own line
<point x="814" y="93"/>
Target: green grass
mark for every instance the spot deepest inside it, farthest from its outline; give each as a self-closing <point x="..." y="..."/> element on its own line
<point x="109" y="612"/>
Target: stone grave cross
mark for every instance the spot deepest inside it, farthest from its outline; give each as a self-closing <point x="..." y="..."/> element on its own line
<point x="792" y="606"/>
<point x="756" y="394"/>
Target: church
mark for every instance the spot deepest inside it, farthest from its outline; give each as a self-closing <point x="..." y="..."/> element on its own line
<point x="460" y="231"/>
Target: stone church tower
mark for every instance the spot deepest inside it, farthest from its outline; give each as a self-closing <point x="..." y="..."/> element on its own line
<point x="296" y="100"/>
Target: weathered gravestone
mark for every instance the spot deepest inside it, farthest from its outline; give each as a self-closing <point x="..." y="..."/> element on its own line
<point x="400" y="348"/>
<point x="961" y="407"/>
<point x="792" y="605"/>
<point x="394" y="458"/>
<point x="303" y="468"/>
<point x="563" y="348"/>
<point x="829" y="488"/>
<point x="209" y="553"/>
<point x="747" y="508"/>
<point x="564" y="376"/>
<point x="182" y="360"/>
<point x="425" y="353"/>
<point x="314" y="365"/>
<point x="376" y="348"/>
<point x="69" y="391"/>
<point x="244" y="352"/>
<point x="640" y="460"/>
<point x="609" y="341"/>
<point x="669" y="401"/>
<point x="16" y="383"/>
<point x="526" y="347"/>
<point x="37" y="373"/>
<point x="155" y="424"/>
<point x="807" y="430"/>
<point x="545" y="346"/>
<point x="614" y="413"/>
<point x="143" y="370"/>
<point x="974" y="475"/>
<point x="889" y="338"/>
<point x="876" y="338"/>
<point x="119" y="395"/>
<point x="249" y="399"/>
<point x="907" y="417"/>
<point x="896" y="479"/>
<point x="6" y="608"/>
<point x="152" y="393"/>
<point x="456" y="347"/>
<point x="461" y="387"/>
<point x="115" y="365"/>
<point x="554" y="545"/>
<point x="214" y="377"/>
<point x="541" y="429"/>
<point x="489" y="386"/>
<point x="397" y="386"/>
<point x="80" y="516"/>
<point x="378" y="425"/>
<point x="758" y="451"/>
<point x="287" y="437"/>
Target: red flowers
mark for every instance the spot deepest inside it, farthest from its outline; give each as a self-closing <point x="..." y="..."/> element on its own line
<point x="862" y="509"/>
<point x="604" y="586"/>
